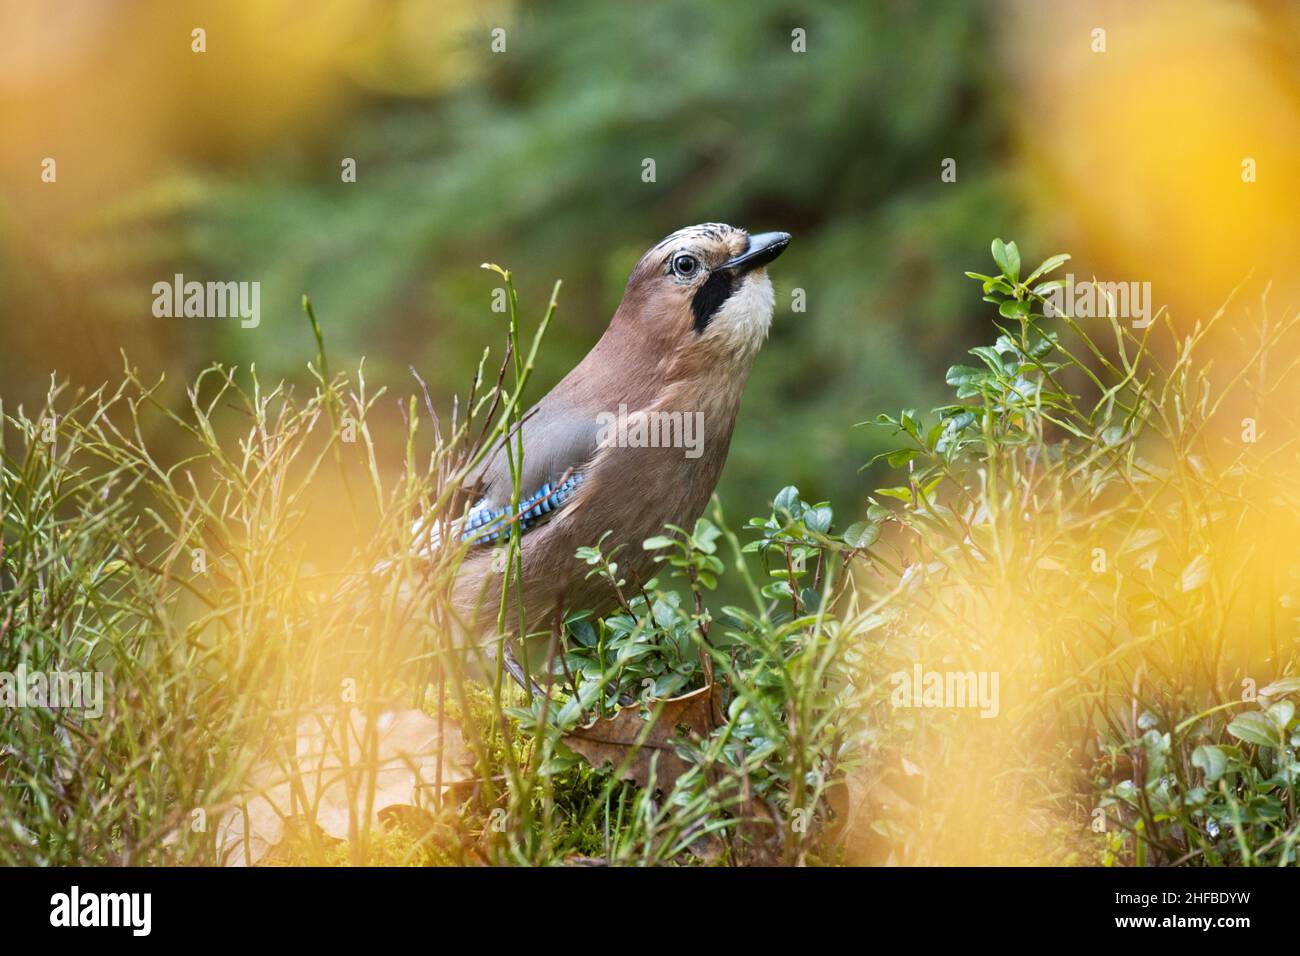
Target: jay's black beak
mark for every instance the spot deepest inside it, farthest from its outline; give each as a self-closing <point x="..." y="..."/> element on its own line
<point x="763" y="248"/>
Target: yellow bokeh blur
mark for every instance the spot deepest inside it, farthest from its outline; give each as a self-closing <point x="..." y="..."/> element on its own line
<point x="1164" y="139"/>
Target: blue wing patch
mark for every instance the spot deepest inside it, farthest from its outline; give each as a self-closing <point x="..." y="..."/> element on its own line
<point x="490" y="525"/>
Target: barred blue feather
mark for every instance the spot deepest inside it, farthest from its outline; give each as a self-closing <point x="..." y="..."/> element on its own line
<point x="490" y="525"/>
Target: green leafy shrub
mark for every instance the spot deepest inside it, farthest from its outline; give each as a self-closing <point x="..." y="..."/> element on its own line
<point x="1090" y="520"/>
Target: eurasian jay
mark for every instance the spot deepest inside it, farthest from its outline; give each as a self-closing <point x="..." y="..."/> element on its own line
<point x="633" y="438"/>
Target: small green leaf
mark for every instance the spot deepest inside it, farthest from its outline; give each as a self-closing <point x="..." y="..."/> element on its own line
<point x="862" y="534"/>
<point x="787" y="500"/>
<point x="819" y="519"/>
<point x="999" y="249"/>
<point x="897" y="459"/>
<point x="1212" y="760"/>
<point x="902" y="493"/>
<point x="907" y="421"/>
<point x="705" y="533"/>
<point x="1007" y="256"/>
<point x="1280" y="688"/>
<point x="1048" y="265"/>
<point x="965" y="375"/>
<point x="960" y="421"/>
<point x="1255" y="728"/>
<point x="1281" y="713"/>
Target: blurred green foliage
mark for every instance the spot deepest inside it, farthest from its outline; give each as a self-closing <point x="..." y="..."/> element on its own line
<point x="535" y="162"/>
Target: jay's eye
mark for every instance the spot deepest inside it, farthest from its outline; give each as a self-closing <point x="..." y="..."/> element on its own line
<point x="685" y="265"/>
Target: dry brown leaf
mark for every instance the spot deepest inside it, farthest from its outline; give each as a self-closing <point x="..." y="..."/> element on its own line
<point x="335" y="777"/>
<point x="613" y="739"/>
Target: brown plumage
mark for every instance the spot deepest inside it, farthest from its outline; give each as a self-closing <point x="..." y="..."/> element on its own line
<point x="694" y="314"/>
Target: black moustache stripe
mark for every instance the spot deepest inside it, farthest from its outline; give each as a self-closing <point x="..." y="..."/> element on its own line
<point x="709" y="298"/>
